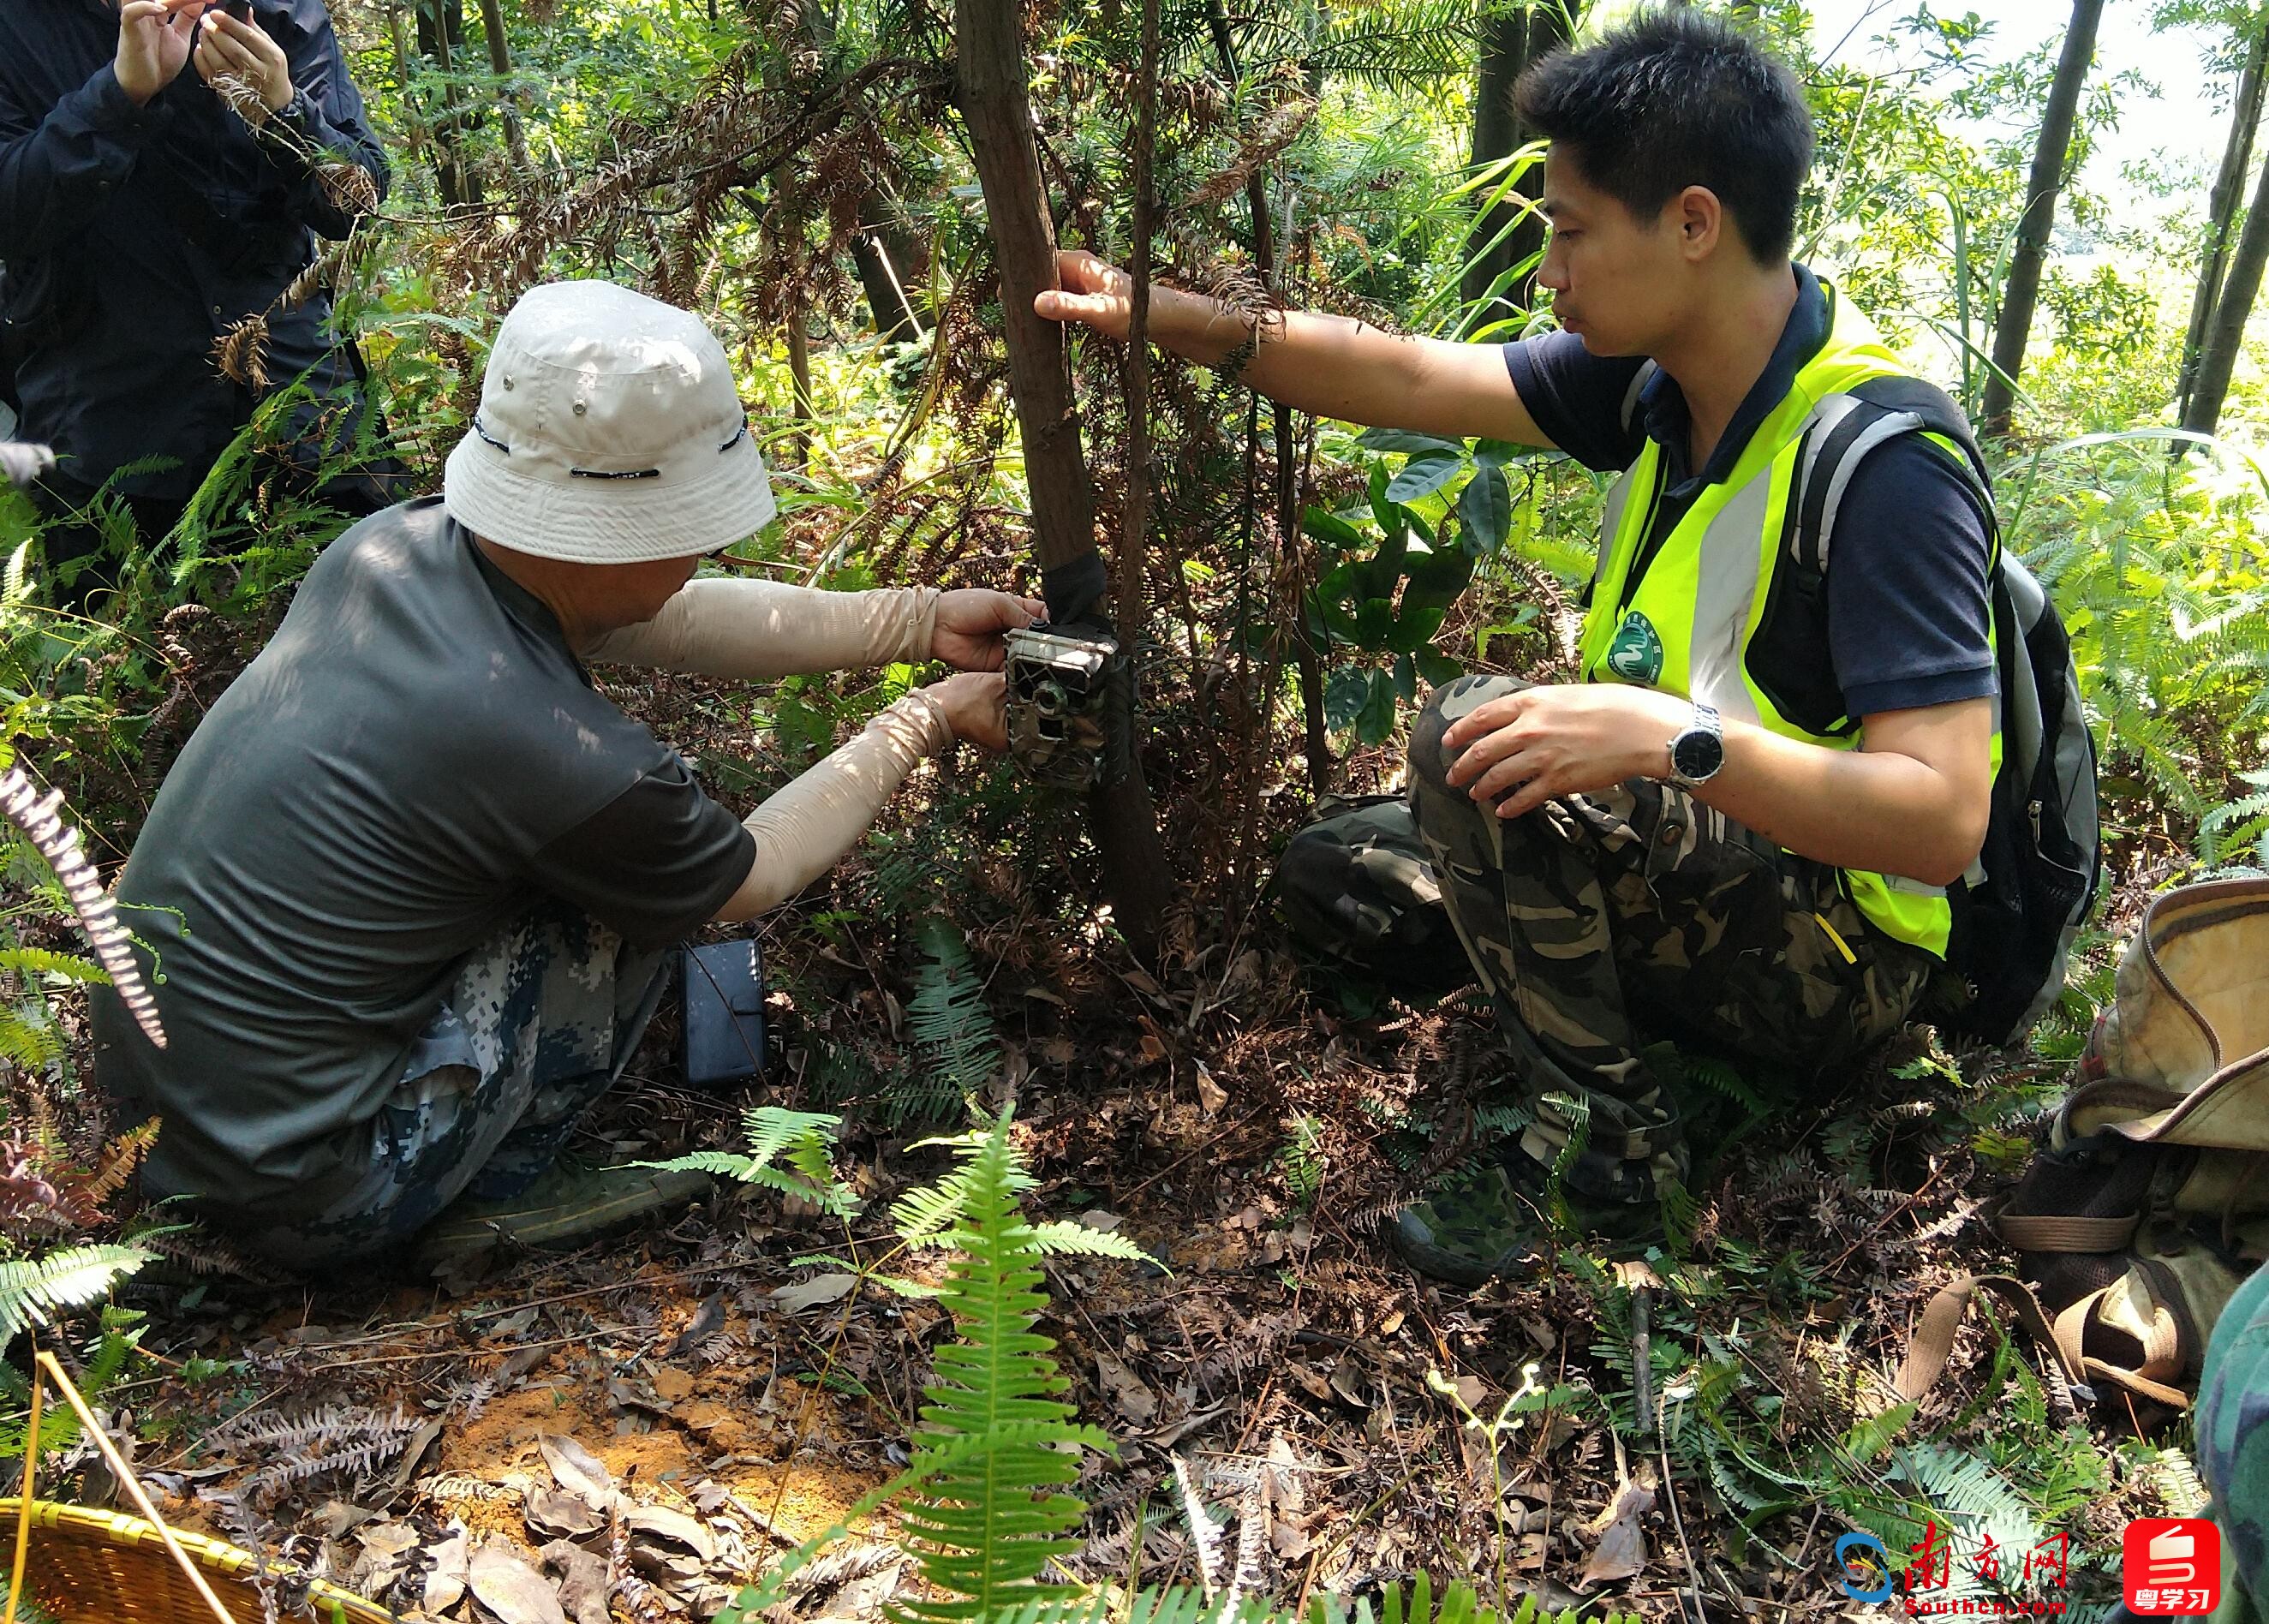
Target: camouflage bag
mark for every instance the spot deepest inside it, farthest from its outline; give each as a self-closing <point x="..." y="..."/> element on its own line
<point x="1356" y="887"/>
<point x="2149" y="1204"/>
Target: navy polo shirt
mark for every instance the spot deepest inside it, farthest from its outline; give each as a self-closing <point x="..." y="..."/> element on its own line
<point x="1908" y="606"/>
<point x="134" y="237"/>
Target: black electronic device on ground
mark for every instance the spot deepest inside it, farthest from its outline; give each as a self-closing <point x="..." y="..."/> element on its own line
<point x="723" y="1039"/>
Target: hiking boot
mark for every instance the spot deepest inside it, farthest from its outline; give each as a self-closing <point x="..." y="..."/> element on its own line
<point x="566" y="1206"/>
<point x="1486" y="1219"/>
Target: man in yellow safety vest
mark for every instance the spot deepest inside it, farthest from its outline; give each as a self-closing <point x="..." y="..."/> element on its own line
<point x="1737" y="828"/>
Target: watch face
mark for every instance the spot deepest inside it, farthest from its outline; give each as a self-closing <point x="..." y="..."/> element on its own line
<point x="1697" y="753"/>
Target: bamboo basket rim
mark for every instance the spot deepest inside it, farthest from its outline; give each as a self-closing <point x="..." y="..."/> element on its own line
<point x="117" y="1531"/>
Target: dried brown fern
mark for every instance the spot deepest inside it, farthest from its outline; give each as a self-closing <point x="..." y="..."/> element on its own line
<point x="40" y="818"/>
<point x="1270" y="135"/>
<point x="120" y="1158"/>
<point x="242" y="352"/>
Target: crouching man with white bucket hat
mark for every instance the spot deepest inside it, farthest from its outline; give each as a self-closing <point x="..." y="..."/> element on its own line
<point x="409" y="885"/>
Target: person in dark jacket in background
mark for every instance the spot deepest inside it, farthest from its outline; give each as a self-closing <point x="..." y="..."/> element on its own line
<point x="165" y="166"/>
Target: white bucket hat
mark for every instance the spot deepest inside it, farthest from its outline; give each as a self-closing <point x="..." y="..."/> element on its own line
<point x="609" y="431"/>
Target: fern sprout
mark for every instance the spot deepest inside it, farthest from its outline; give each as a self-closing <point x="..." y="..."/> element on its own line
<point x="40" y="818"/>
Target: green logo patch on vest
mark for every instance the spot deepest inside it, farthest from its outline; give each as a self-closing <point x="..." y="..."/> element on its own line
<point x="1634" y="652"/>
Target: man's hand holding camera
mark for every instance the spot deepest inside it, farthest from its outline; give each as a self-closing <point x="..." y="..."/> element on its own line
<point x="968" y="637"/>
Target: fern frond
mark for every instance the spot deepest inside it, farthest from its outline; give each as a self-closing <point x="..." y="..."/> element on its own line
<point x="40" y="818"/>
<point x="1868" y="1438"/>
<point x="40" y="962"/>
<point x="30" y="1044"/>
<point x="983" y="1531"/>
<point x="1205" y="1534"/>
<point x="1427" y="38"/>
<point x="32" y="1289"/>
<point x="348" y="1439"/>
<point x="804" y="1139"/>
<point x="723" y="1163"/>
<point x="927" y="1217"/>
<point x="771" y="1130"/>
<point x="120" y="1158"/>
<point x="1076" y="1240"/>
<point x="951" y="1026"/>
<point x="1954" y="1483"/>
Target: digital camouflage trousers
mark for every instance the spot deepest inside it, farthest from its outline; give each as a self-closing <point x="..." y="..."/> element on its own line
<point x="2232" y="1433"/>
<point x="538" y="1024"/>
<point x="1599" y="924"/>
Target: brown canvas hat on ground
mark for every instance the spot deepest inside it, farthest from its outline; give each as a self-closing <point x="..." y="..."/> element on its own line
<point x="609" y="431"/>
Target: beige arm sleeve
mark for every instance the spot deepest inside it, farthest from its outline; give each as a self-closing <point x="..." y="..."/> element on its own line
<point x="759" y="629"/>
<point x="803" y="830"/>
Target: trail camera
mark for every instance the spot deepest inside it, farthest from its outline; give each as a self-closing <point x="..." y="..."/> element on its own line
<point x="1071" y="705"/>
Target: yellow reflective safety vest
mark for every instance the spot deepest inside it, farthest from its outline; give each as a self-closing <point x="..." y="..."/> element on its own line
<point x="1703" y="619"/>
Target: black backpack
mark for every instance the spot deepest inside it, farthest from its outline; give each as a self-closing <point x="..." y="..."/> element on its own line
<point x="2017" y="911"/>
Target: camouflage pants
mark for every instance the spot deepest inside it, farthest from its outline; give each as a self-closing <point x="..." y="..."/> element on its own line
<point x="1599" y="923"/>
<point x="538" y="1024"/>
<point x="2233" y="1448"/>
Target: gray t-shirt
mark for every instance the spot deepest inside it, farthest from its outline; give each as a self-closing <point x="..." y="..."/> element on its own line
<point x="415" y="761"/>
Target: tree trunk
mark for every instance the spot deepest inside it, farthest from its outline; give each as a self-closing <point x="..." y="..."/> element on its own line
<point x="995" y="103"/>
<point x="1133" y="572"/>
<point x="500" y="64"/>
<point x="2225" y="334"/>
<point x="889" y="262"/>
<point x="397" y="36"/>
<point x="2046" y="179"/>
<point x="1513" y="40"/>
<point x="799" y="372"/>
<point x="440" y="26"/>
<point x="2221" y="209"/>
<point x="1306" y="659"/>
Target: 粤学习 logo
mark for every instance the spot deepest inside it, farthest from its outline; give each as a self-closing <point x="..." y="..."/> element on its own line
<point x="2171" y="1565"/>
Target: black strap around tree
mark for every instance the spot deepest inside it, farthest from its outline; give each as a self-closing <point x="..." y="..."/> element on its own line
<point x="1073" y="587"/>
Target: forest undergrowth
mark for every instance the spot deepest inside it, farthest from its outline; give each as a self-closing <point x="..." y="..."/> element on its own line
<point x="1210" y="1142"/>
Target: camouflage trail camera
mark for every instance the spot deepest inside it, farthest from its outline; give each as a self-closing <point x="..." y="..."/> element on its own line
<point x="1071" y="706"/>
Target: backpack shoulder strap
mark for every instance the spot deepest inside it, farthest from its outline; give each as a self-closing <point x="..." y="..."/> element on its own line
<point x="1873" y="414"/>
<point x="1640" y="379"/>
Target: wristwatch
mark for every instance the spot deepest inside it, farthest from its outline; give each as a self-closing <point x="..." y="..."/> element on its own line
<point x="1697" y="749"/>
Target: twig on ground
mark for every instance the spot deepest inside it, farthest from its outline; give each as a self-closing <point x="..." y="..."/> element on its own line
<point x="1642" y="1361"/>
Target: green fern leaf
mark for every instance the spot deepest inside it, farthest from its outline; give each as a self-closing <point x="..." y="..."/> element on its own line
<point x="32" y="1289"/>
<point x="804" y="1139"/>
<point x="1869" y="1438"/>
<point x="984" y="1531"/>
<point x="723" y="1163"/>
<point x="1952" y="1483"/>
<point x="927" y="1217"/>
<point x="40" y="962"/>
<point x="1076" y="1240"/>
<point x="951" y="1026"/>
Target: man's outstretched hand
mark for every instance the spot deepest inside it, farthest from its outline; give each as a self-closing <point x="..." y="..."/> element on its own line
<point x="970" y="623"/>
<point x="1095" y="291"/>
<point x="154" y="41"/>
